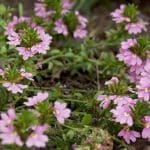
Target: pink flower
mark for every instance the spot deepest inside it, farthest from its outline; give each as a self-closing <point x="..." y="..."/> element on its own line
<point x="41" y="11"/>
<point x="40" y="97"/>
<point x="146" y="71"/>
<point x="10" y="137"/>
<point x="42" y="46"/>
<point x="129" y="135"/>
<point x="66" y="5"/>
<point x="135" y="73"/>
<point x="135" y="28"/>
<point x="117" y="15"/>
<point x="14" y="87"/>
<point x="26" y="75"/>
<point x="105" y="100"/>
<point x="10" y="27"/>
<point x="144" y="83"/>
<point x="37" y="137"/>
<point x="143" y="93"/>
<point x="128" y="44"/>
<point x="2" y="72"/>
<point x="61" y="112"/>
<point x="25" y="52"/>
<point x="80" y="33"/>
<point x="146" y="130"/>
<point x="60" y="27"/>
<point x="132" y="60"/>
<point x="124" y="101"/>
<point x="133" y="77"/>
<point x="129" y="58"/>
<point x="82" y="20"/>
<point x="14" y="39"/>
<point x="122" y="114"/>
<point x="6" y="119"/>
<point x="114" y="80"/>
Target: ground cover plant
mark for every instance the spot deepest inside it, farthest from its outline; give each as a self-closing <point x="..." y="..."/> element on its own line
<point x="62" y="87"/>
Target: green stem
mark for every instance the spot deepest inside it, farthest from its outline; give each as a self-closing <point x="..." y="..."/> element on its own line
<point x="121" y="142"/>
<point x="75" y="129"/>
<point x="51" y="58"/>
<point x="63" y="89"/>
<point x="73" y="100"/>
<point x="20" y="9"/>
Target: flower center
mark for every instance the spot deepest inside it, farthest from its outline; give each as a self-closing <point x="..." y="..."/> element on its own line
<point x="29" y="37"/>
<point x="56" y="112"/>
<point x="15" y="133"/>
<point x="126" y="114"/>
<point x="34" y="135"/>
<point x="147" y="125"/>
<point x="147" y="90"/>
<point x="106" y="98"/>
<point x="131" y="44"/>
<point x="119" y="98"/>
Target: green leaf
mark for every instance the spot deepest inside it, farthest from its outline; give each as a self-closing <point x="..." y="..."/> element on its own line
<point x="2" y="23"/>
<point x="86" y="120"/>
<point x="2" y="9"/>
<point x="71" y="21"/>
<point x="85" y="6"/>
<point x="55" y="51"/>
<point x="20" y="9"/>
<point x="70" y="134"/>
<point x="50" y="66"/>
<point x="25" y="120"/>
<point x="69" y="54"/>
<point x="131" y="12"/>
<point x="141" y="109"/>
<point x="43" y="107"/>
<point x="57" y="63"/>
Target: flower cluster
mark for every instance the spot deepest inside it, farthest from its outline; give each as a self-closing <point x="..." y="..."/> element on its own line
<point x="28" y="38"/>
<point x="131" y="59"/>
<point x="137" y="59"/>
<point x="62" y="24"/>
<point x="12" y="83"/>
<point x="134" y="52"/>
<point x="27" y="127"/>
<point x="32" y="101"/>
<point x="80" y="31"/>
<point x="123" y="113"/>
<point x="132" y="23"/>
<point x="42" y="11"/>
<point x="42" y="115"/>
<point x="144" y="83"/>
<point x="37" y="138"/>
<point x="61" y="112"/>
<point x="15" y="87"/>
<point x="11" y="133"/>
<point x="8" y="134"/>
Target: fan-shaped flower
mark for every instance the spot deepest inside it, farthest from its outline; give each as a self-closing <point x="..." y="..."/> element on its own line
<point x="61" y="112"/>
